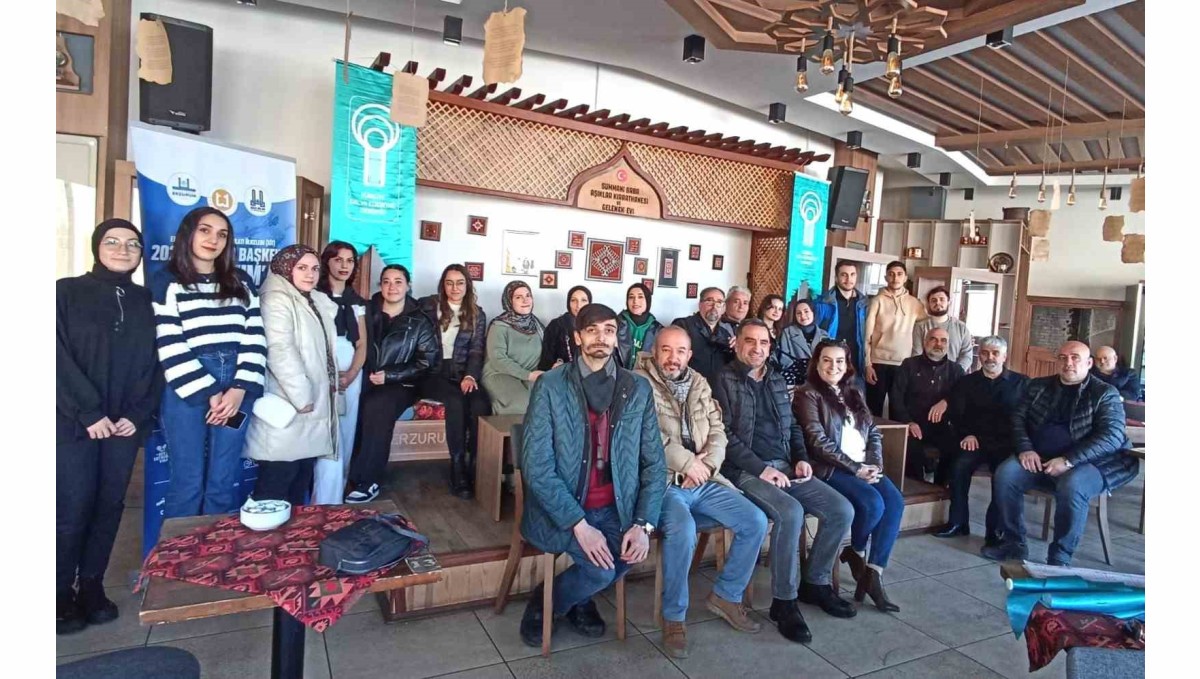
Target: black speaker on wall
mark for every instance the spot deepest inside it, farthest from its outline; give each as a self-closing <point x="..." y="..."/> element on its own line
<point x="185" y="104"/>
<point x="846" y="188"/>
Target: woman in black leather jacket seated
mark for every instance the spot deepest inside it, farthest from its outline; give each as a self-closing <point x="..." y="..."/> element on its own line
<point x="846" y="450"/>
<point x="402" y="350"/>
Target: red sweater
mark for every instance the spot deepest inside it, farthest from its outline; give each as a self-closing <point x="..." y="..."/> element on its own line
<point x="600" y="487"/>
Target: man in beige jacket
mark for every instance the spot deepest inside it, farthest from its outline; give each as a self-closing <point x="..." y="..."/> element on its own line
<point x="694" y="443"/>
<point x="891" y="317"/>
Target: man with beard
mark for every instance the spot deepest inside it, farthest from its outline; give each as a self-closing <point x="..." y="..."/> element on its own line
<point x="937" y="305"/>
<point x="694" y="439"/>
<point x="593" y="461"/>
<point x="737" y="305"/>
<point x="712" y="336"/>
<point x="1070" y="431"/>
<point x="980" y="412"/>
<point x="918" y="399"/>
<point x="891" y="316"/>
<point x="766" y="459"/>
<point x="842" y="311"/>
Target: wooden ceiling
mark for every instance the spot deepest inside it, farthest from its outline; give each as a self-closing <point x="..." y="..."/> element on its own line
<point x="1101" y="60"/>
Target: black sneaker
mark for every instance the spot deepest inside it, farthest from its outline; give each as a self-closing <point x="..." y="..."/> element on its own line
<point x="827" y="599"/>
<point x="585" y="619"/>
<point x="786" y="614"/>
<point x="1005" y="551"/>
<point x="531" y="620"/>
<point x="363" y="493"/>
<point x="96" y="607"/>
<point x="71" y="618"/>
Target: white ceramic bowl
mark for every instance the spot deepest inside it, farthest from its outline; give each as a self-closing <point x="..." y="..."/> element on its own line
<point x="265" y="514"/>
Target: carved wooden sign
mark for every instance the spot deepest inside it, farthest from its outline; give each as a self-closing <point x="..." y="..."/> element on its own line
<point x="617" y="187"/>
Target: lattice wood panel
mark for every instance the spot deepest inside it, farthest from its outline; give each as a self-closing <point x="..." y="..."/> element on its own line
<point x="716" y="189"/>
<point x="500" y="153"/>
<point x="768" y="266"/>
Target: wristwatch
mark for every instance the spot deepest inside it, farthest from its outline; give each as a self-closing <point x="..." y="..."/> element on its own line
<point x="641" y="523"/>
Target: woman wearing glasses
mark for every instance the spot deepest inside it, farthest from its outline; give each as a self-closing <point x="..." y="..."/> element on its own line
<point x="108" y="389"/>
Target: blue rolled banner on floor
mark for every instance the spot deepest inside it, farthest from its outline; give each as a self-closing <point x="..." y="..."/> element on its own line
<point x="806" y="241"/>
<point x="176" y="174"/>
<point x="374" y="168"/>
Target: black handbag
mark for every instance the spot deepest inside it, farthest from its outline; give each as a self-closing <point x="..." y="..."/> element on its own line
<point x="370" y="544"/>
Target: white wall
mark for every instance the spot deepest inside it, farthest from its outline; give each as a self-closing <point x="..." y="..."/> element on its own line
<point x="1081" y="263"/>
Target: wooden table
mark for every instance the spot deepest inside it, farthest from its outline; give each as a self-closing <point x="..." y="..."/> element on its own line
<point x="166" y="600"/>
<point x="895" y="450"/>
<point x="494" y="432"/>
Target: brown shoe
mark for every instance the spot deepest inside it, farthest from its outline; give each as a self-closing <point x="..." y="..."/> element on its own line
<point x="674" y="637"/>
<point x="734" y="614"/>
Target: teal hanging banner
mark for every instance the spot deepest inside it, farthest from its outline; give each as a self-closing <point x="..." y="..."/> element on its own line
<point x="373" y="196"/>
<point x="806" y="240"/>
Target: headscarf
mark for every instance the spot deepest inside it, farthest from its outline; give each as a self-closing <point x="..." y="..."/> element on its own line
<point x="571" y="293"/>
<point x="282" y="264"/>
<point x="526" y="324"/>
<point x="99" y="270"/>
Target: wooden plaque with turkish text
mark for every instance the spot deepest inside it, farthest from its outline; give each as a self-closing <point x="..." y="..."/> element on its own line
<point x="617" y="189"/>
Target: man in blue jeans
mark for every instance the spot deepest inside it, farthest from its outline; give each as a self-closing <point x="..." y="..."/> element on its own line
<point x="694" y="440"/>
<point x="1069" y="431"/>
<point x="593" y="462"/>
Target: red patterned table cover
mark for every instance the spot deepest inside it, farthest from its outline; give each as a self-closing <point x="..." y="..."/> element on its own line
<point x="1050" y="631"/>
<point x="280" y="563"/>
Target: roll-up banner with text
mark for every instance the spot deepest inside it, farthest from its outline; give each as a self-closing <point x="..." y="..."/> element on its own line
<point x="806" y="243"/>
<point x="177" y="173"/>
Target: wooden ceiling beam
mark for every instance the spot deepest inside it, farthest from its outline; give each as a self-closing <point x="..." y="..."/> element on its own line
<point x="1116" y="40"/>
<point x="1047" y="82"/>
<point x="1093" y="71"/>
<point x="1002" y="86"/>
<point x="1080" y="166"/>
<point x="924" y="72"/>
<point x="962" y="142"/>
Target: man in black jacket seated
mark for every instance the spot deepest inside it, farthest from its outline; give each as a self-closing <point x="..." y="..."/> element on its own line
<point x="766" y="459"/>
<point x="1069" y="430"/>
<point x="981" y="408"/>
<point x="712" y="337"/>
<point x="918" y="398"/>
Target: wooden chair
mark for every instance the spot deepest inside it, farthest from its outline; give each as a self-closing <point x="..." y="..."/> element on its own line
<point x="518" y="548"/>
<point x="1101" y="519"/>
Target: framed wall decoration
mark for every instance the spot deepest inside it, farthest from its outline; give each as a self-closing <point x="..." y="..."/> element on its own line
<point x="431" y="230"/>
<point x="520" y="253"/>
<point x="575" y="239"/>
<point x="548" y="280"/>
<point x="649" y="283"/>
<point x="693" y="290"/>
<point x="694" y="253"/>
<point x="563" y="258"/>
<point x="668" y="268"/>
<point x="474" y="270"/>
<point x="641" y="265"/>
<point x="633" y="246"/>
<point x="718" y="262"/>
<point x="605" y="260"/>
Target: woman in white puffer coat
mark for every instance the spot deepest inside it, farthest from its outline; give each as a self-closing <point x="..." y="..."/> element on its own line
<point x="301" y="374"/>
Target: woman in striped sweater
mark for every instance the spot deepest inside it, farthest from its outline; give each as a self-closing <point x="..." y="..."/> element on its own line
<point x="213" y="353"/>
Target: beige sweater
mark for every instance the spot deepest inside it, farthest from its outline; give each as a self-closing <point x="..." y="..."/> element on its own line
<point x="890" y="321"/>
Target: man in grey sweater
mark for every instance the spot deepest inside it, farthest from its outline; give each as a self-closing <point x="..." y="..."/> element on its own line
<point x="962" y="344"/>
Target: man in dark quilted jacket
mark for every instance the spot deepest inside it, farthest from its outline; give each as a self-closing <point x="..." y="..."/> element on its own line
<point x="595" y="473"/>
<point x="1069" y="432"/>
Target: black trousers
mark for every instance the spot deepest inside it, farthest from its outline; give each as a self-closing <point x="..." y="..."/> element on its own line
<point x="288" y="481"/>
<point x="462" y="412"/>
<point x="377" y="412"/>
<point x="876" y="393"/>
<point x="938" y="436"/>
<point x="961" y="470"/>
<point x="91" y="479"/>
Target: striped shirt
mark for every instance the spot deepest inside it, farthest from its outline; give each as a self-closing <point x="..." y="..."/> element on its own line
<point x="191" y="321"/>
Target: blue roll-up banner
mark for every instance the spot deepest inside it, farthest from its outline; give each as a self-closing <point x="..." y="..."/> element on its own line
<point x="176" y="174"/>
<point x="806" y="241"/>
<point x="374" y="167"/>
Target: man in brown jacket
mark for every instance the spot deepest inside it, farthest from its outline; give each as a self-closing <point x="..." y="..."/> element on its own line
<point x="891" y="316"/>
<point x="697" y="495"/>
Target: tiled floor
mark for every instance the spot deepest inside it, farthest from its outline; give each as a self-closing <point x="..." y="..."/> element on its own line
<point x="951" y="624"/>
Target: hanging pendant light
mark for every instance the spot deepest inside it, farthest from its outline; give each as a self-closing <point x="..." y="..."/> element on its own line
<point x="1012" y="187"/>
<point x="802" y="68"/>
<point x="840" y="93"/>
<point x="1071" y="190"/>
<point x="827" y="50"/>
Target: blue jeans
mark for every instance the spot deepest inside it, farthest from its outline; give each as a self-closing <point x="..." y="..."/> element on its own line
<point x="205" y="461"/>
<point x="584" y="579"/>
<point x="709" y="505"/>
<point x="1073" y="493"/>
<point x="878" y="508"/>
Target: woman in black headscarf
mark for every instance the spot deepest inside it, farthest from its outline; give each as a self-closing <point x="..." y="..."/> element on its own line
<point x="558" y="346"/>
<point x="108" y="385"/>
<point x="514" y="341"/>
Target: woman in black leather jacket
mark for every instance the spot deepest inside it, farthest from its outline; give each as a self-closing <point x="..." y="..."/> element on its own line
<point x="460" y="325"/>
<point x="846" y="450"/>
<point x="402" y="349"/>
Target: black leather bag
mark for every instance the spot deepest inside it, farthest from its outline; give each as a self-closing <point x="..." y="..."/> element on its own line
<point x="370" y="544"/>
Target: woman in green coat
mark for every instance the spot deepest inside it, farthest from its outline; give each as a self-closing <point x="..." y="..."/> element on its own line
<point x="514" y="345"/>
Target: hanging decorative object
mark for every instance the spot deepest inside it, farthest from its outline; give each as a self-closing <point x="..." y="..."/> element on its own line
<point x="1133" y="248"/>
<point x="1113" y="226"/>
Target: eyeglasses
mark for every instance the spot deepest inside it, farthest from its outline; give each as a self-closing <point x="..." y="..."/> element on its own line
<point x="116" y="244"/>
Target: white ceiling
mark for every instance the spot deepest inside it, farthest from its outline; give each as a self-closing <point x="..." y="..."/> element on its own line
<point x="647" y="36"/>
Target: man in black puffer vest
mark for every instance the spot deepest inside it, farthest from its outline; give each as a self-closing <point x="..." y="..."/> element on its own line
<point x="1070" y="439"/>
